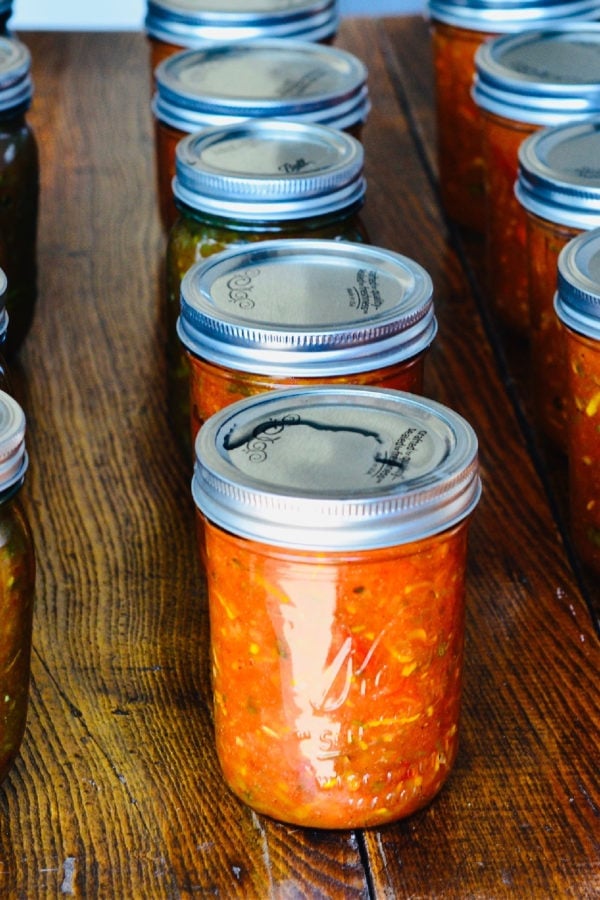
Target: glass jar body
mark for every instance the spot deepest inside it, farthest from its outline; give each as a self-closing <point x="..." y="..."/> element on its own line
<point x="17" y="578"/>
<point x="166" y="139"/>
<point x="19" y="197"/>
<point x="545" y="240"/>
<point x="505" y="220"/>
<point x="193" y="238"/>
<point x="583" y="444"/>
<point x="336" y="675"/>
<point x="460" y="162"/>
<point x="213" y="387"/>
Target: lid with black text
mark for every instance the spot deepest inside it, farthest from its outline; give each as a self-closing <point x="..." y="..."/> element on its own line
<point x="547" y="77"/>
<point x="266" y="170"/>
<point x="336" y="468"/>
<point x="284" y="79"/>
<point x="306" y="308"/>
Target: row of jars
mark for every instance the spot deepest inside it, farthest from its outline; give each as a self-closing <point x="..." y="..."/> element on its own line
<point x="333" y="499"/>
<point x="19" y="187"/>
<point x="521" y="85"/>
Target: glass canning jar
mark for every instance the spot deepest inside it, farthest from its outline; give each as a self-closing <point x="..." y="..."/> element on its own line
<point x="301" y="312"/>
<point x="174" y="25"/>
<point x="228" y="84"/>
<point x="17" y="578"/>
<point x="577" y="304"/>
<point x="5" y="14"/>
<point x="19" y="190"/>
<point x="524" y="82"/>
<point x="458" y="27"/>
<point x="5" y="382"/>
<point x="333" y="525"/>
<point x="259" y="180"/>
<point x="559" y="187"/>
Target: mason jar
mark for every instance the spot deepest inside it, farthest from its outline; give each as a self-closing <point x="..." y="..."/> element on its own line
<point x="458" y="28"/>
<point x="174" y="25"/>
<point x="524" y="82"/>
<point x="228" y="84"/>
<point x="17" y="579"/>
<point x="301" y="312"/>
<point x="259" y="180"/>
<point x="5" y="381"/>
<point x="5" y="14"/>
<point x="558" y="186"/>
<point x="334" y="527"/>
<point x="19" y="190"/>
<point x="577" y="304"/>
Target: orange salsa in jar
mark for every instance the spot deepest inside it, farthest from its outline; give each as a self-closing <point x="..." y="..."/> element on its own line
<point x="458" y="29"/>
<point x="335" y="527"/>
<point x="577" y="305"/>
<point x="17" y="579"/>
<point x="174" y="25"/>
<point x="262" y="79"/>
<point x="302" y="311"/>
<point x="524" y="82"/>
<point x="559" y="188"/>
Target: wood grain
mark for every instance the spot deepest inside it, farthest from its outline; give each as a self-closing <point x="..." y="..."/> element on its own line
<point x="117" y="792"/>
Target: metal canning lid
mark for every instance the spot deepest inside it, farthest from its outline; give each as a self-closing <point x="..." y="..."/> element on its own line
<point x="545" y="77"/>
<point x="577" y="300"/>
<point x="306" y="308"/>
<point x="336" y="468"/>
<point x="507" y="16"/>
<point x="284" y="79"/>
<point x="266" y="170"/>
<point x="16" y="87"/>
<point x="559" y="174"/>
<point x="13" y="456"/>
<point x="199" y="23"/>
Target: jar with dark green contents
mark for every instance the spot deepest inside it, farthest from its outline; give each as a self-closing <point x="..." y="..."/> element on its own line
<point x="19" y="190"/>
<point x="5" y="14"/>
<point x="17" y="578"/>
<point x="255" y="181"/>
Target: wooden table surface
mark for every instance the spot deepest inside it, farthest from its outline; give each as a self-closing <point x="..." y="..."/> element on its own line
<point x="117" y="791"/>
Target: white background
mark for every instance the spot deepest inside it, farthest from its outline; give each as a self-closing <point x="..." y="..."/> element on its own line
<point x="99" y="14"/>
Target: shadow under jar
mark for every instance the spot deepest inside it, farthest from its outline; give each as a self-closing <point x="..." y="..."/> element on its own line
<point x="174" y="25"/>
<point x="302" y="312"/>
<point x="19" y="190"/>
<point x="458" y="29"/>
<point x="577" y="304"/>
<point x="334" y="525"/>
<point x="525" y="82"/>
<point x="260" y="180"/>
<point x="559" y="188"/>
<point x="228" y="84"/>
<point x="17" y="580"/>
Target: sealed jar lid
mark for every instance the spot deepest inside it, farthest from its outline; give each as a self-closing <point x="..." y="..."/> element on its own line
<point x="504" y="16"/>
<point x="541" y="77"/>
<point x="559" y="174"/>
<point x="266" y="170"/>
<point x="306" y="308"/>
<point x="282" y="79"/>
<point x="199" y="23"/>
<point x="16" y="87"/>
<point x="13" y="456"/>
<point x="336" y="468"/>
<point x="577" y="301"/>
